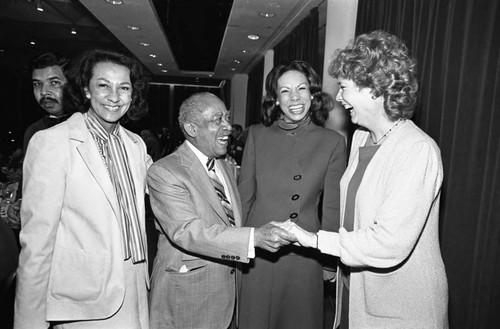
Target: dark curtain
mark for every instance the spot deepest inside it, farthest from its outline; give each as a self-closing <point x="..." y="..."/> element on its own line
<point x="254" y="94"/>
<point x="457" y="45"/>
<point x="301" y="43"/>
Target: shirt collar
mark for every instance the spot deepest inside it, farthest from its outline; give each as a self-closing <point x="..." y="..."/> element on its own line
<point x="96" y="126"/>
<point x="202" y="157"/>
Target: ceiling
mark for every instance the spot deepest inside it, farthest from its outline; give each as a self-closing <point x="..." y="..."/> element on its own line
<point x="179" y="41"/>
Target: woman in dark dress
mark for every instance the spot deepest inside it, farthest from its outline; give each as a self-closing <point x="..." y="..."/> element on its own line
<point x="291" y="165"/>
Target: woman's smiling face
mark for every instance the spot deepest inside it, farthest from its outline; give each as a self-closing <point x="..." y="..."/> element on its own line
<point x="358" y="101"/>
<point x="294" y="96"/>
<point x="110" y="93"/>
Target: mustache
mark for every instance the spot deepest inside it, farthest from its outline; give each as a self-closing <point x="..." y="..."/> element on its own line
<point x="45" y="99"/>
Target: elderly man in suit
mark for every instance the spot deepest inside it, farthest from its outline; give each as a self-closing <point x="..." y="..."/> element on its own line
<point x="195" y="275"/>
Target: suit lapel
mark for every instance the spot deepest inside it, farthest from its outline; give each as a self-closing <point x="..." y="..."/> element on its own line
<point x="232" y="191"/>
<point x="201" y="180"/>
<point x="90" y="155"/>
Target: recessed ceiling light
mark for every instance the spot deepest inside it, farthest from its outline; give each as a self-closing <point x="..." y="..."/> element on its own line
<point x="253" y="37"/>
<point x="160" y="64"/>
<point x="32" y="42"/>
<point x="39" y="6"/>
<point x="114" y="2"/>
<point x="233" y="69"/>
<point x="210" y="75"/>
<point x="145" y="44"/>
<point x="2" y="50"/>
<point x="152" y="55"/>
<point x="267" y="14"/>
<point x="133" y="27"/>
<point x="237" y="61"/>
<point x="73" y="31"/>
<point x="244" y="51"/>
<point x="164" y="71"/>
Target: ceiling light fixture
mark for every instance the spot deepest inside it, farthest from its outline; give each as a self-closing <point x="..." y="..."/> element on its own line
<point x="253" y="37"/>
<point x="237" y="61"/>
<point x="145" y="44"/>
<point x="233" y="69"/>
<point x="73" y="30"/>
<point x="267" y="14"/>
<point x="152" y="55"/>
<point x="39" y="5"/>
<point x="244" y="51"/>
<point x="164" y="71"/>
<point x="114" y="2"/>
<point x="32" y="42"/>
<point x="159" y="64"/>
<point x="133" y="27"/>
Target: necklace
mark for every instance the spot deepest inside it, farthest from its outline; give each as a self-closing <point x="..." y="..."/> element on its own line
<point x="388" y="131"/>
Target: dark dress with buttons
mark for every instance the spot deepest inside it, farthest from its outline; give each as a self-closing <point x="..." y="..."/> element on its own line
<point x="288" y="174"/>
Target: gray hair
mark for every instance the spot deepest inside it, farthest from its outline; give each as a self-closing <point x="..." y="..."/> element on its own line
<point x="191" y="107"/>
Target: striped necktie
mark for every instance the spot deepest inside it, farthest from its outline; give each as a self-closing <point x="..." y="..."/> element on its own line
<point x="219" y="188"/>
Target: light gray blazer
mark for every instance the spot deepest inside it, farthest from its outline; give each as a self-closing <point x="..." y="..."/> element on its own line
<point x="195" y="235"/>
<point x="71" y="261"/>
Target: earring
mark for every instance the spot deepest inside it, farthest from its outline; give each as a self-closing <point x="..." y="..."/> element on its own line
<point x="88" y="96"/>
<point x="373" y="97"/>
<point x="277" y="103"/>
<point x="312" y="97"/>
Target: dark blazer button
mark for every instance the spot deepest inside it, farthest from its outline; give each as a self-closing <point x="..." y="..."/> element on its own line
<point x="295" y="197"/>
<point x="237" y="257"/>
<point x="297" y="177"/>
<point x="293" y="215"/>
<point x="232" y="271"/>
<point x="232" y="257"/>
<point x="223" y="256"/>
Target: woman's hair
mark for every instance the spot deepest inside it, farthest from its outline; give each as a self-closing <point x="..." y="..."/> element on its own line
<point x="82" y="70"/>
<point x="319" y="108"/>
<point x="380" y="61"/>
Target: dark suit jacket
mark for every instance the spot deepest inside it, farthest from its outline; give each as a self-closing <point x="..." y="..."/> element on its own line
<point x="195" y="235"/>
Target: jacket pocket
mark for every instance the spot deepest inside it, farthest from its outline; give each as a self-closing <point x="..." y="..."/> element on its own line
<point x="385" y="294"/>
<point x="77" y="275"/>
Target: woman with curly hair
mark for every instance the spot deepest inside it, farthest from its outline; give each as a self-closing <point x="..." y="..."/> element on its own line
<point x="291" y="165"/>
<point x="83" y="258"/>
<point x="391" y="273"/>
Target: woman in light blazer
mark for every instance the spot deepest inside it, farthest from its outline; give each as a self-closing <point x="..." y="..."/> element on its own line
<point x="83" y="257"/>
<point x="391" y="273"/>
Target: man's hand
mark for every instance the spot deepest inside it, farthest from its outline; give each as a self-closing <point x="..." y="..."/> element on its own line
<point x="271" y="238"/>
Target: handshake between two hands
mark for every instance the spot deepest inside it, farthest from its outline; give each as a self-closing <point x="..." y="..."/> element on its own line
<point x="274" y="235"/>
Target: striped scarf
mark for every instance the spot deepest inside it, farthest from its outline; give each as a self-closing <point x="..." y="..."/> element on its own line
<point x="114" y="156"/>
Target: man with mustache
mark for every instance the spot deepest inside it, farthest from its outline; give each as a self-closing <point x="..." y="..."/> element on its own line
<point x="47" y="71"/>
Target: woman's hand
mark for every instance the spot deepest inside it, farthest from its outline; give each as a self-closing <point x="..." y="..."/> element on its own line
<point x="304" y="238"/>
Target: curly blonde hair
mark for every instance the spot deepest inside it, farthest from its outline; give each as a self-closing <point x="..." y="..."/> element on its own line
<point x="380" y="61"/>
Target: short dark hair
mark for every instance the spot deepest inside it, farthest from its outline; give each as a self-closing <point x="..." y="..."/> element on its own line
<point x="44" y="60"/>
<point x="271" y="112"/>
<point x="380" y="61"/>
<point x="81" y="72"/>
<point x="238" y="127"/>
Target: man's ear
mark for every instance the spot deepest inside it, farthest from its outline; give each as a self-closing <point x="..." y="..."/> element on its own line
<point x="190" y="129"/>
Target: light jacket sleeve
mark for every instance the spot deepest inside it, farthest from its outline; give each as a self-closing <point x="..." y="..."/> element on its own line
<point x="44" y="173"/>
<point x="407" y="197"/>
